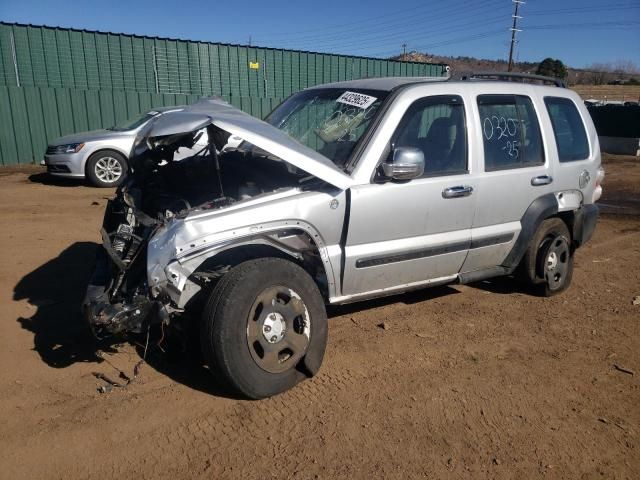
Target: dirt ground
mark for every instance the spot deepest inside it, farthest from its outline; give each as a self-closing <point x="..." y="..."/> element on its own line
<point x="479" y="381"/>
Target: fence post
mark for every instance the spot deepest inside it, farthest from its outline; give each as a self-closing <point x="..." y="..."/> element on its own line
<point x="264" y="77"/>
<point x="14" y="58"/>
<point x="155" y="68"/>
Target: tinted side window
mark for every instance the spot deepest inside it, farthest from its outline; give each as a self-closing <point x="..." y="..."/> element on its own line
<point x="571" y="137"/>
<point x="510" y="131"/>
<point x="436" y="125"/>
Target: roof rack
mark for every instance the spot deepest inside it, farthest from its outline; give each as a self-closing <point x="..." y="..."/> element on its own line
<point x="513" y="77"/>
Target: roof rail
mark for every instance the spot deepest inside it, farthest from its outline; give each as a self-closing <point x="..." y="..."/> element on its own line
<point x="513" y="77"/>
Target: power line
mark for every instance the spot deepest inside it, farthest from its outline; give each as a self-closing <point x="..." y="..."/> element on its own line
<point x="351" y="42"/>
<point x="419" y="27"/>
<point x="448" y="10"/>
<point x="442" y="25"/>
<point x="350" y="25"/>
<point x="491" y="33"/>
<point x="378" y="20"/>
<point x="452" y="41"/>
<point x="590" y="25"/>
<point x="580" y="10"/>
<point x="420" y="23"/>
<point x="420" y="34"/>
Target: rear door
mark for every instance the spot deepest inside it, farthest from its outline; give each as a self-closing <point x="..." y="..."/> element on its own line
<point x="403" y="233"/>
<point x="515" y="170"/>
<point x="576" y="144"/>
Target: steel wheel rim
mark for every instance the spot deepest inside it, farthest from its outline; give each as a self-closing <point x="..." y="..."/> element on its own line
<point x="108" y="169"/>
<point x="278" y="329"/>
<point x="556" y="262"/>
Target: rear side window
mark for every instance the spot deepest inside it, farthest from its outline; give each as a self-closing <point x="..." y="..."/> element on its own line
<point x="510" y="131"/>
<point x="568" y="128"/>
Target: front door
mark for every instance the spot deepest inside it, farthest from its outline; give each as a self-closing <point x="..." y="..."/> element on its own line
<point x="405" y="233"/>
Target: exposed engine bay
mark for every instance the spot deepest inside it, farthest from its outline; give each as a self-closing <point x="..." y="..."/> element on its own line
<point x="162" y="188"/>
<point x="158" y="190"/>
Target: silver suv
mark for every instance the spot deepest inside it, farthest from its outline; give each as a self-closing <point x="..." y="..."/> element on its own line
<point x="347" y="192"/>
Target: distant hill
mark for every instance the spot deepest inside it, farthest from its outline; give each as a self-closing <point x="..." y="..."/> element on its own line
<point x="461" y="65"/>
<point x="621" y="93"/>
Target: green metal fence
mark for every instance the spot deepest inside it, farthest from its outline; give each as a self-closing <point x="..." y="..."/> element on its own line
<point x="55" y="81"/>
<point x="32" y="116"/>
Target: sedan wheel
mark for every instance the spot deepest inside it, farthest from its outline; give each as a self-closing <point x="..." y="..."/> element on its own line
<point x="106" y="168"/>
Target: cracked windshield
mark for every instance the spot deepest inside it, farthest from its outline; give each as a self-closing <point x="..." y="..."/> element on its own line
<point x="330" y="121"/>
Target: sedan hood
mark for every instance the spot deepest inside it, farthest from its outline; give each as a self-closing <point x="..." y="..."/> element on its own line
<point x="91" y="136"/>
<point x="257" y="132"/>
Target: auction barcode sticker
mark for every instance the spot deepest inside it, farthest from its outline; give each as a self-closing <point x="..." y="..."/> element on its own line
<point x="356" y="99"/>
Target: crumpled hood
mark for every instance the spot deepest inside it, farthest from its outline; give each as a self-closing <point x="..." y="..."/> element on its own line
<point x="257" y="132"/>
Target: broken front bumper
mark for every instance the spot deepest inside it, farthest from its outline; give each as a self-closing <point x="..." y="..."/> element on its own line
<point x="107" y="317"/>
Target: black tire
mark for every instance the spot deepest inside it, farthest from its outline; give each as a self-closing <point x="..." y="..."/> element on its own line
<point x="238" y="313"/>
<point x="106" y="168"/>
<point x="547" y="264"/>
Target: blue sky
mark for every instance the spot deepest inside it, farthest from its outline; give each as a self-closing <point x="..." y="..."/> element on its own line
<point x="577" y="32"/>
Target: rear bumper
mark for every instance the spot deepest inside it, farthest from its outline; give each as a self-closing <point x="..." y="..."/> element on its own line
<point x="584" y="225"/>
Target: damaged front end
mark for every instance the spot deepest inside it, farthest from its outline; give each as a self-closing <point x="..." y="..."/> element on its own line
<point x="165" y="203"/>
<point x="117" y="298"/>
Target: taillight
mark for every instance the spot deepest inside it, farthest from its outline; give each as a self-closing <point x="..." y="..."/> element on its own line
<point x="597" y="192"/>
<point x="599" y="176"/>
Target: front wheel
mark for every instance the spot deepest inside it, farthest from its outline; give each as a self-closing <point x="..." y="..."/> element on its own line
<point x="264" y="327"/>
<point x="548" y="262"/>
<point x="106" y="168"/>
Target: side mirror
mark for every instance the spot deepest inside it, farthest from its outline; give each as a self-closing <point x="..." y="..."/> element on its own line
<point x="407" y="163"/>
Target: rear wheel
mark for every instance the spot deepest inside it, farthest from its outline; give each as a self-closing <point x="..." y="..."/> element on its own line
<point x="106" y="168"/>
<point x="264" y="327"/>
<point x="548" y="263"/>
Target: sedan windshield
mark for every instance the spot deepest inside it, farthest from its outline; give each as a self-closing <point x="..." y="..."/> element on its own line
<point x="331" y="121"/>
<point x="133" y="123"/>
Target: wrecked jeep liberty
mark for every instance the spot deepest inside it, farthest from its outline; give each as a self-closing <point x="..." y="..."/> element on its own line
<point x="348" y="191"/>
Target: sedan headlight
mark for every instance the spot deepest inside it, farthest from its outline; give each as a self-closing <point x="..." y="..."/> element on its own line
<point x="69" y="148"/>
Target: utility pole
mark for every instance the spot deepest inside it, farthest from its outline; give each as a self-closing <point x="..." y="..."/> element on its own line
<point x="513" y="32"/>
<point x="404" y="51"/>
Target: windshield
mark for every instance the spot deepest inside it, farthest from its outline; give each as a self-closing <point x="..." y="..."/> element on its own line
<point x="331" y="121"/>
<point x="133" y="123"/>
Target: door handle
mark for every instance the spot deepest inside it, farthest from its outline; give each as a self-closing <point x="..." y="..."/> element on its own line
<point x="456" y="192"/>
<point x="541" y="180"/>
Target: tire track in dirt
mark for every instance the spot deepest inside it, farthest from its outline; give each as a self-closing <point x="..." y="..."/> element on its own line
<point x="211" y="437"/>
